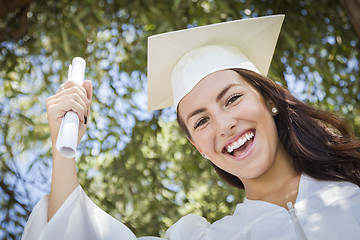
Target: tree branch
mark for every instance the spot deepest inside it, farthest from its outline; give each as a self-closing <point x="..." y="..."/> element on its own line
<point x="12" y="197"/>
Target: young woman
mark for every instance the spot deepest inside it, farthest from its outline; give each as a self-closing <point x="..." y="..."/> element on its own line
<point x="299" y="166"/>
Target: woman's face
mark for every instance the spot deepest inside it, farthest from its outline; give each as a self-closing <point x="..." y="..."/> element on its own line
<point x="231" y="123"/>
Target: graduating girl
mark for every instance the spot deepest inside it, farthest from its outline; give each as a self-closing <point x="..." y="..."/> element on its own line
<point x="300" y="167"/>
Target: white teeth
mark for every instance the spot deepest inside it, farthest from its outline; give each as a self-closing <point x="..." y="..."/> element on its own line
<point x="238" y="143"/>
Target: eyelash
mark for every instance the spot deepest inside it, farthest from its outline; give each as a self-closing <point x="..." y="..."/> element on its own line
<point x="198" y="123"/>
<point x="232" y="99"/>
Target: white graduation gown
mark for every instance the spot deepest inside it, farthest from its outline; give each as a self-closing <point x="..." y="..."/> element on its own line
<point x="324" y="210"/>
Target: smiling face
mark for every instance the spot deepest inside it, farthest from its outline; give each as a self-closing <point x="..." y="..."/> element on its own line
<point x="231" y="123"/>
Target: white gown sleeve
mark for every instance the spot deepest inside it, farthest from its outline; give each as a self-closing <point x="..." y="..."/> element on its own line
<point x="79" y="218"/>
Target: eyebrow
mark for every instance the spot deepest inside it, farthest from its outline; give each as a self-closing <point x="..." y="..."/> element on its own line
<point x="219" y="96"/>
<point x="200" y="110"/>
<point x="224" y="91"/>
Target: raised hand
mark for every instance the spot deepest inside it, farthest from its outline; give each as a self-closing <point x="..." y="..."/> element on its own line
<point x="71" y="97"/>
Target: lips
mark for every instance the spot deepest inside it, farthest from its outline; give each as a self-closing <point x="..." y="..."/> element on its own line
<point x="240" y="144"/>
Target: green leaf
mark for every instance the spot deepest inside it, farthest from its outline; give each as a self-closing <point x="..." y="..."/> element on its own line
<point x="65" y="41"/>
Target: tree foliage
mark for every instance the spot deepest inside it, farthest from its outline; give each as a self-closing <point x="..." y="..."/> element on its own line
<point x="136" y="165"/>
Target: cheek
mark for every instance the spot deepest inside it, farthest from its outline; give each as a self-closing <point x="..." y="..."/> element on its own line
<point x="204" y="139"/>
<point x="255" y="110"/>
<point x="252" y="109"/>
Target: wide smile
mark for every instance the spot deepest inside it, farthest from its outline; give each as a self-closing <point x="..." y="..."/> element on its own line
<point x="241" y="145"/>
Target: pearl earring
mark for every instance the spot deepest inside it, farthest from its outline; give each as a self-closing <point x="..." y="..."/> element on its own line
<point x="204" y="156"/>
<point x="274" y="110"/>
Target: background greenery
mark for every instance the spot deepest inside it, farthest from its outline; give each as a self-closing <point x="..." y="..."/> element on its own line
<point x="136" y="165"/>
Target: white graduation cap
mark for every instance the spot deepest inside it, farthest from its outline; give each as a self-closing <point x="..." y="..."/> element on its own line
<point x="178" y="60"/>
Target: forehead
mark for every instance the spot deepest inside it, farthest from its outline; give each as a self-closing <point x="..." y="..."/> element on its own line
<point x="213" y="84"/>
<point x="209" y="88"/>
<point x="219" y="79"/>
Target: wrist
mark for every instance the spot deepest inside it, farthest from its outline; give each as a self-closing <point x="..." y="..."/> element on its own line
<point x="58" y="156"/>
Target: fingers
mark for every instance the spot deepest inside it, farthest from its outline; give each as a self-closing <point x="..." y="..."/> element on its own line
<point x="72" y="97"/>
<point x="74" y="93"/>
<point x="61" y="104"/>
<point x="70" y="84"/>
<point x="88" y="87"/>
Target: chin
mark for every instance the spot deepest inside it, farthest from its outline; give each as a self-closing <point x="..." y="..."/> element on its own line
<point x="253" y="172"/>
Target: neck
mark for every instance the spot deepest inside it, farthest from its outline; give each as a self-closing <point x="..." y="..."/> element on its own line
<point x="278" y="185"/>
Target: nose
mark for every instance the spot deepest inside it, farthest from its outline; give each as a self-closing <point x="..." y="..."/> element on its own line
<point x="224" y="123"/>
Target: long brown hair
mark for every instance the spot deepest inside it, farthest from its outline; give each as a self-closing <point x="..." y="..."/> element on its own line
<point x="321" y="144"/>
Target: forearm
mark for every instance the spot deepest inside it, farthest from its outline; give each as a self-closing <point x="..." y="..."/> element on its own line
<point x="76" y="98"/>
<point x="64" y="181"/>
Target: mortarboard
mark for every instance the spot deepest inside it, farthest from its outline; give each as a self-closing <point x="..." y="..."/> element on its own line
<point x="178" y="60"/>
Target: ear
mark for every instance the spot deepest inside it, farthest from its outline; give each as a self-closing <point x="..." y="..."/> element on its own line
<point x="194" y="144"/>
<point x="270" y="104"/>
<point x="272" y="107"/>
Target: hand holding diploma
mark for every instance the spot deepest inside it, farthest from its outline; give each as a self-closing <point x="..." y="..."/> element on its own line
<point x="68" y="109"/>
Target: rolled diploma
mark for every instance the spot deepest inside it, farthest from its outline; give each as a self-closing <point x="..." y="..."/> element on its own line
<point x="69" y="129"/>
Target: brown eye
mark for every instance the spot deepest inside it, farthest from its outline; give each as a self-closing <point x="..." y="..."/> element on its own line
<point x="201" y="122"/>
<point x="232" y="99"/>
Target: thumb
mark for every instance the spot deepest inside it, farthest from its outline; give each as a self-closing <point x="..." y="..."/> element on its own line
<point x="88" y="87"/>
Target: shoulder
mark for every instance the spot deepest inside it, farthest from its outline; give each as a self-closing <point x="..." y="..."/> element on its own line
<point x="329" y="191"/>
<point x="188" y="227"/>
<point x="193" y="227"/>
<point x="330" y="205"/>
<point x="328" y="197"/>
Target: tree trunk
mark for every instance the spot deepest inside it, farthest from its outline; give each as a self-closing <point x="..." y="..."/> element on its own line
<point x="21" y="26"/>
<point x="352" y="7"/>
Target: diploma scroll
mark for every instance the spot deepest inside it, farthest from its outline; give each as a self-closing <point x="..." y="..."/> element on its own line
<point x="68" y="133"/>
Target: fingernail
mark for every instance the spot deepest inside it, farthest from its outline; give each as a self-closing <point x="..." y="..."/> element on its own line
<point x="85" y="119"/>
